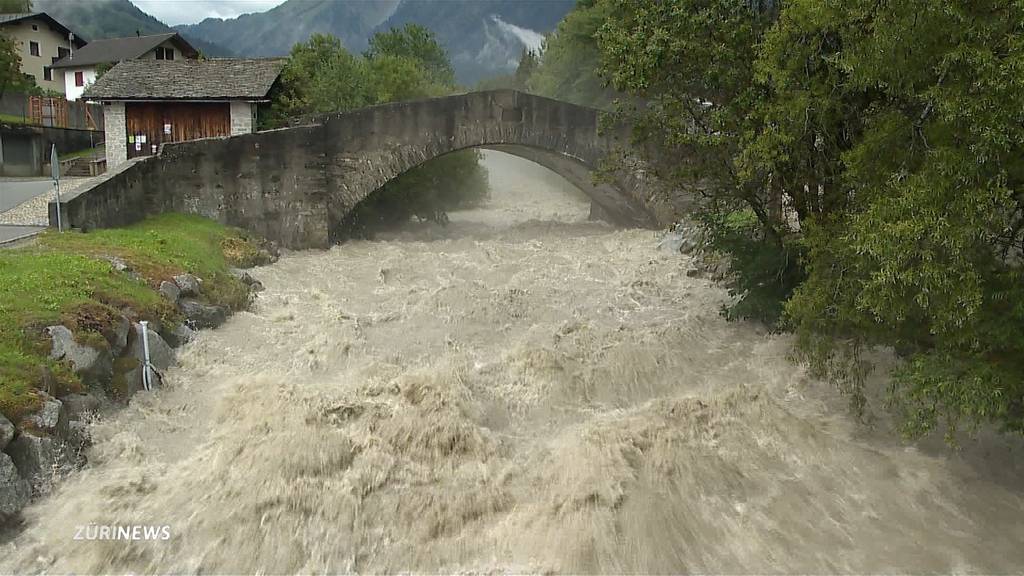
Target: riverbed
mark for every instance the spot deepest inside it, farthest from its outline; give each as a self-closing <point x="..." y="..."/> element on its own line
<point x="522" y="390"/>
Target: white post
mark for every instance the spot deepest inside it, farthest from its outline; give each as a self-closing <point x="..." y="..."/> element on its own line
<point x="55" y="173"/>
<point x="146" y="366"/>
<point x="56" y="186"/>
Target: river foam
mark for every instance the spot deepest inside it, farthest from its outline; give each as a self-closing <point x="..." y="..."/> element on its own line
<point x="521" y="391"/>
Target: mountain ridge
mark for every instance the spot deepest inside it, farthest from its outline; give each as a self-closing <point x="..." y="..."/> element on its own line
<point x="483" y="37"/>
<point x="100" y="19"/>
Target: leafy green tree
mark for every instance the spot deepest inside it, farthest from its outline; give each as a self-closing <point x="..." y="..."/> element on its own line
<point x="568" y="65"/>
<point x="919" y="247"/>
<point x="11" y="76"/>
<point x="397" y="78"/>
<point x="417" y="43"/>
<point x="518" y="80"/>
<point x="321" y="76"/>
<point x="15" y="6"/>
<point x="893" y="131"/>
<point x="688" y="69"/>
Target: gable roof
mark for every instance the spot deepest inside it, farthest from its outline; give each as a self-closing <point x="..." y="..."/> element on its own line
<point x="213" y="79"/>
<point x="116" y="49"/>
<point x="64" y="30"/>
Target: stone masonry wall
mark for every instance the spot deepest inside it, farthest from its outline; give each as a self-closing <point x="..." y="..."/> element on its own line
<point x="294" y="185"/>
<point x="116" y="134"/>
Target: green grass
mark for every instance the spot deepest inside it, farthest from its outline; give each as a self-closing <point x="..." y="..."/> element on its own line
<point x="12" y="119"/>
<point x="65" y="279"/>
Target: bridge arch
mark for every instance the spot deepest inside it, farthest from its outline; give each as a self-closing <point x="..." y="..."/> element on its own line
<point x="370" y="147"/>
<point x="293" y="185"/>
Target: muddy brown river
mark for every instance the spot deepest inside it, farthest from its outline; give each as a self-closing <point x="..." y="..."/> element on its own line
<point x="520" y="391"/>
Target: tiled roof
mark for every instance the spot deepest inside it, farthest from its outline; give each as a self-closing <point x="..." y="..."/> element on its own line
<point x="213" y="79"/>
<point x="117" y="49"/>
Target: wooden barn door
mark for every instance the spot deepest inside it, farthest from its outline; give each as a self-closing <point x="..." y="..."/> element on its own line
<point x="149" y="124"/>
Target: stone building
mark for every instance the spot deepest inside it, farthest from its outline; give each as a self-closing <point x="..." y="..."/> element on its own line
<point x="42" y="41"/>
<point x="80" y="67"/>
<point x="150" y="102"/>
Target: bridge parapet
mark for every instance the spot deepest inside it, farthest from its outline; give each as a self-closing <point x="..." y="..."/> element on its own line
<point x="294" y="185"/>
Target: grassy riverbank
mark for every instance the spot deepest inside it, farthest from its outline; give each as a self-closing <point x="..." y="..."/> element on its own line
<point x="69" y="279"/>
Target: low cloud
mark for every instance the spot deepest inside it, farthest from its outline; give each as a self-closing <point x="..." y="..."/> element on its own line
<point x="174" y="12"/>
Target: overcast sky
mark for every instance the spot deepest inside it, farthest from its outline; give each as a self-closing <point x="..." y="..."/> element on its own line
<point x="174" y="12"/>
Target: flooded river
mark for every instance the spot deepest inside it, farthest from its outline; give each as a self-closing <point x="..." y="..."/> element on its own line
<point x="520" y="391"/>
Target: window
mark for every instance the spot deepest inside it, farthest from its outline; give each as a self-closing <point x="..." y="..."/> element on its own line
<point x="79" y="78"/>
<point x="63" y="52"/>
<point x="34" y="27"/>
<point x="33" y="48"/>
<point x="164" y="53"/>
<point x="47" y="73"/>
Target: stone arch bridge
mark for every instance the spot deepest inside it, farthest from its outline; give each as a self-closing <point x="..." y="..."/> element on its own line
<point x="294" y="185"/>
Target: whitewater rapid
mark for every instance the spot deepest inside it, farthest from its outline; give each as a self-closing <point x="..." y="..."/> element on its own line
<point x="520" y="391"/>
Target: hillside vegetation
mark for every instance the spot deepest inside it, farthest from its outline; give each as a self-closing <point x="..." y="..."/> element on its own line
<point x="98" y="19"/>
<point x="866" y="162"/>
<point x="69" y="279"/>
<point x="469" y="30"/>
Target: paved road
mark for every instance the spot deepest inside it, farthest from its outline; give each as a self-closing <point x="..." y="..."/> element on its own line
<point x="9" y="232"/>
<point x="16" y="191"/>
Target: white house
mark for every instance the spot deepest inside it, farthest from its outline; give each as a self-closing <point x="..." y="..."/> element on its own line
<point x="80" y="67"/>
<point x="41" y="41"/>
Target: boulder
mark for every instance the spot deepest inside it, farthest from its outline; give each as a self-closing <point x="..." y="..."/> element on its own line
<point x="170" y="291"/>
<point x="36" y="458"/>
<point x="81" y="407"/>
<point x="117" y="335"/>
<point x="119" y="264"/>
<point x="47" y="380"/>
<point x="6" y="432"/>
<point x="94" y="366"/>
<point x="203" y="315"/>
<point x="189" y="284"/>
<point x="161" y="357"/>
<point x="180" y="336"/>
<point x="247" y="279"/>
<point x="79" y="434"/>
<point x="15" y="491"/>
<point x="51" y="417"/>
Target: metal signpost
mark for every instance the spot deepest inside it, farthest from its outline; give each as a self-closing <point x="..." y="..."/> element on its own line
<point x="55" y="173"/>
<point x="147" y="378"/>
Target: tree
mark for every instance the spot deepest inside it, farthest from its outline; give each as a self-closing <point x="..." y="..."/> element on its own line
<point x="15" y="6"/>
<point x="568" y="65"/>
<point x="417" y="43"/>
<point x="894" y="130"/>
<point x="920" y="246"/>
<point x="688" y="70"/>
<point x="321" y="76"/>
<point x="396" y="78"/>
<point x="11" y="76"/>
